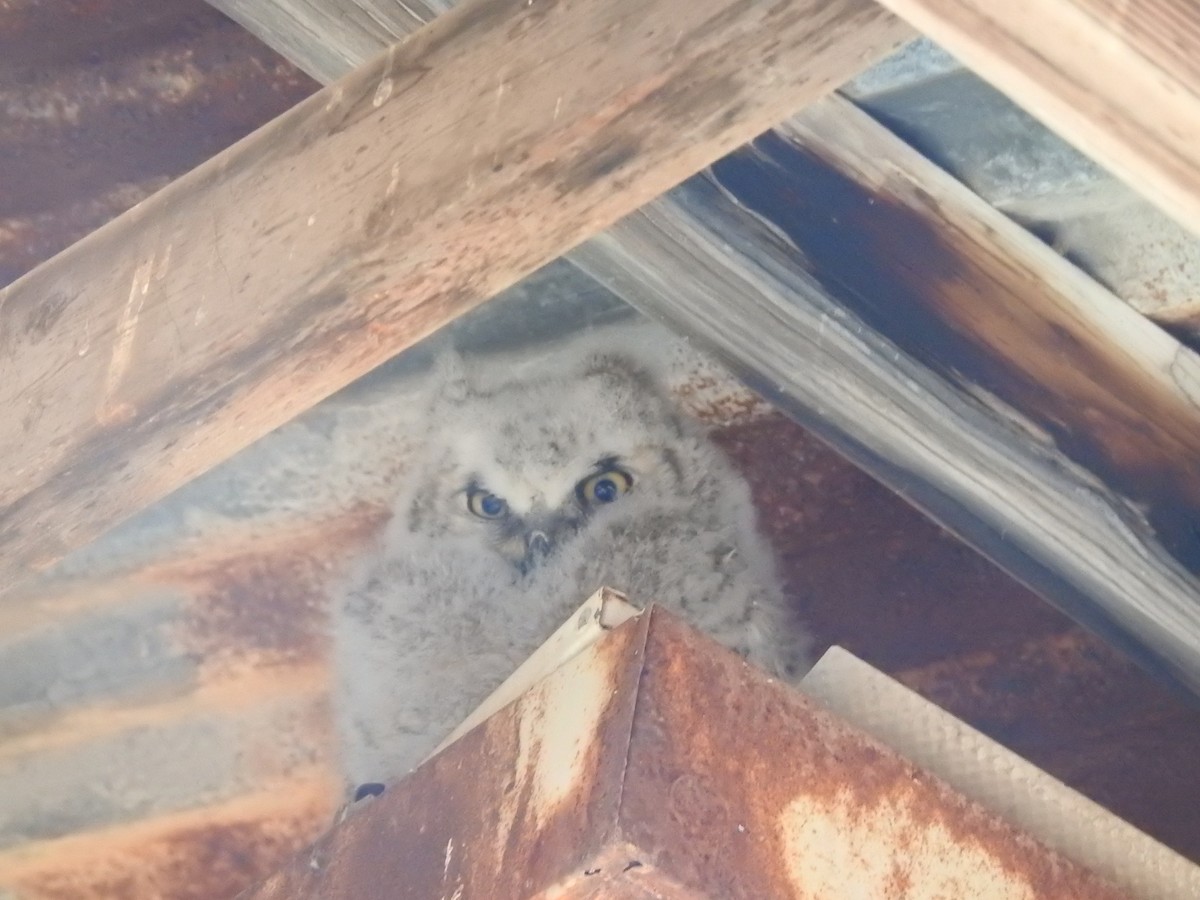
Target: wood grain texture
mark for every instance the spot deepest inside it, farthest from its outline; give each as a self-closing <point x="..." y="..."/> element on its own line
<point x="1044" y="463"/>
<point x="329" y="39"/>
<point x="949" y="353"/>
<point x="1121" y="81"/>
<point x="485" y="145"/>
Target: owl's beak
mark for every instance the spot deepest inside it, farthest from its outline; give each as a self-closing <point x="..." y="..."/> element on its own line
<point x="545" y="534"/>
<point x="537" y="544"/>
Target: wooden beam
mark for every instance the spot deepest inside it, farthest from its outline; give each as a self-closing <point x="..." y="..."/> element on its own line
<point x="485" y="145"/>
<point x="1120" y="81"/>
<point x="951" y="354"/>
<point x="1077" y="498"/>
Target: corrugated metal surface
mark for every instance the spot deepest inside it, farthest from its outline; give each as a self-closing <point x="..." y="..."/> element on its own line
<point x="163" y="716"/>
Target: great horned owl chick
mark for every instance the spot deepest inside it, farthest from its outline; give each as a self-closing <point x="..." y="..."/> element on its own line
<point x="527" y="496"/>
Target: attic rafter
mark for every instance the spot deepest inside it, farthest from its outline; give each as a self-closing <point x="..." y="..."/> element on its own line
<point x="951" y="354"/>
<point x="485" y="145"/>
<point x="1093" y="517"/>
<point x="1119" y="80"/>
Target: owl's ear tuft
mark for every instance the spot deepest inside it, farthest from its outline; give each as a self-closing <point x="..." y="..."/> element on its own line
<point x="449" y="380"/>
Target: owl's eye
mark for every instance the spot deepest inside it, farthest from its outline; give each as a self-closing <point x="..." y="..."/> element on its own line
<point x="604" y="487"/>
<point x="485" y="505"/>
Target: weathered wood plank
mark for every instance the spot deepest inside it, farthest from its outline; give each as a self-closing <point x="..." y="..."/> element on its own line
<point x="1070" y="520"/>
<point x="1121" y="81"/>
<point x="951" y="354"/>
<point x="485" y="145"/>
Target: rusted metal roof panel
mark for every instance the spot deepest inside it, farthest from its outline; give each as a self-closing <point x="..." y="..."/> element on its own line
<point x="656" y="763"/>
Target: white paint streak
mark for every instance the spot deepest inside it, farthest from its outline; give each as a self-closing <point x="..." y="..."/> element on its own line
<point x="335" y="98"/>
<point x="382" y="92"/>
<point x="164" y="264"/>
<point x="395" y="180"/>
<point x="122" y="355"/>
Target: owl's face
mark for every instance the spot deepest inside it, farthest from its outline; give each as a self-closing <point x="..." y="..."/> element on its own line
<point x="523" y="466"/>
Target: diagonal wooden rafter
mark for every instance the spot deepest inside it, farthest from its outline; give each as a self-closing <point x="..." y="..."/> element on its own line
<point x="1017" y="401"/>
<point x="951" y="354"/>
<point x="1121" y="81"/>
<point x="487" y="144"/>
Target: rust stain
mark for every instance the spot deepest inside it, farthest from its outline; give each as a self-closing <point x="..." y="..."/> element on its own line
<point x="714" y="403"/>
<point x="199" y="855"/>
<point x="267" y="599"/>
<point x="240" y="694"/>
<point x="869" y="572"/>
<point x="497" y="813"/>
<point x="108" y="100"/>
<point x="752" y="749"/>
<point x="712" y="798"/>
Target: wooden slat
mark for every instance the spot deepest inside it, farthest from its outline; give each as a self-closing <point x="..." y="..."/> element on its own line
<point x="386" y="205"/>
<point x="1121" y="81"/>
<point x="951" y="354"/>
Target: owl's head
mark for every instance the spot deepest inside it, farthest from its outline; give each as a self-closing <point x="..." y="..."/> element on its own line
<point x="522" y="463"/>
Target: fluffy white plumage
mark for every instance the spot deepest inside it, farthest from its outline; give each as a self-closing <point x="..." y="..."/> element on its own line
<point x="529" y="494"/>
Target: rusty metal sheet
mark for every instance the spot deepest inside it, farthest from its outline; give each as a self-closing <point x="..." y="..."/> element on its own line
<point x="658" y="764"/>
<point x="1002" y="781"/>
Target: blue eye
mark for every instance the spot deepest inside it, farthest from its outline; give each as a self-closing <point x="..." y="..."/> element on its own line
<point x="604" y="487"/>
<point x="485" y="505"/>
<point x="605" y="490"/>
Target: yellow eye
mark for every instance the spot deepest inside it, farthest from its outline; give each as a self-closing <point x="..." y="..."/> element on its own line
<point x="604" y="487"/>
<point x="485" y="505"/>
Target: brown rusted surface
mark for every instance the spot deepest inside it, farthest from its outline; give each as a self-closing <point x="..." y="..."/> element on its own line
<point x="264" y="598"/>
<point x="687" y="772"/>
<point x="1092" y="686"/>
<point x="868" y="572"/>
<point x="516" y="805"/>
<point x="204" y="855"/>
<point x="103" y="103"/>
<point x="871" y="574"/>
<point x="752" y="791"/>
